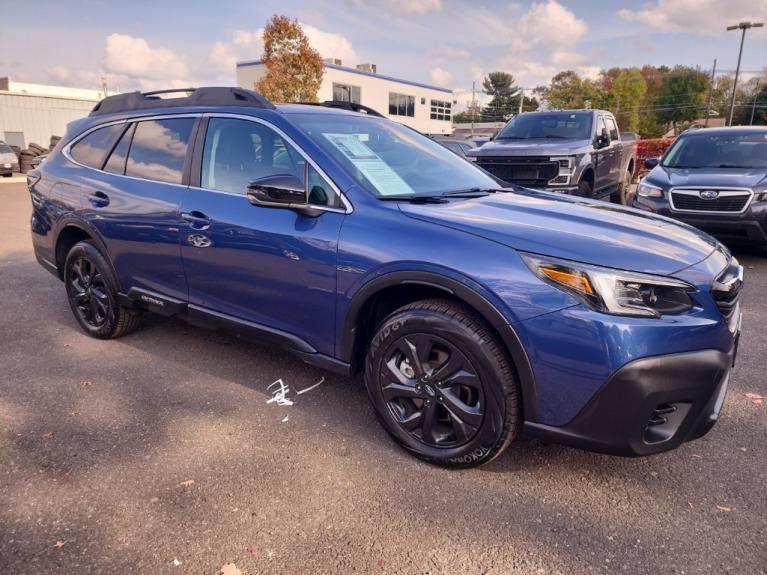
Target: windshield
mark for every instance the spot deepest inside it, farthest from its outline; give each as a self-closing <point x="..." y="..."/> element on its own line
<point x="5" y="149"/>
<point x="559" y="125"/>
<point x="389" y="159"/>
<point x="718" y="151"/>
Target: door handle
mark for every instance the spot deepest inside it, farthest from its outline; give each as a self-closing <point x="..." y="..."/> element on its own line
<point x="98" y="199"/>
<point x="196" y="220"/>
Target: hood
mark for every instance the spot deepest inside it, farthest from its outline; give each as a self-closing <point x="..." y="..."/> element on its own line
<point x="532" y="147"/>
<point x="708" y="177"/>
<point x="7" y="157"/>
<point x="573" y="228"/>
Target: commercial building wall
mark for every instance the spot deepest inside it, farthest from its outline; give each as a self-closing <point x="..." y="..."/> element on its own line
<point x="426" y="108"/>
<point x="26" y="118"/>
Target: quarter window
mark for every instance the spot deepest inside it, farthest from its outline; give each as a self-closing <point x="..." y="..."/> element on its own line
<point x="612" y="128"/>
<point x="440" y="110"/>
<point x="92" y="149"/>
<point x="158" y="149"/>
<point x="401" y="104"/>
<point x="346" y="93"/>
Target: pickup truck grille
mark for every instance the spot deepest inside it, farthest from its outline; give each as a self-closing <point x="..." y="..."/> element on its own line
<point x="725" y="201"/>
<point x="726" y="288"/>
<point x="524" y="170"/>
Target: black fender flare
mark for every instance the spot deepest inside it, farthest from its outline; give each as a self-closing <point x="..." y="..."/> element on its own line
<point x="451" y="286"/>
<point x="73" y="221"/>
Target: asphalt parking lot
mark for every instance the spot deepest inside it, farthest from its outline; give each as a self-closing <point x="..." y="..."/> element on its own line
<point x="159" y="453"/>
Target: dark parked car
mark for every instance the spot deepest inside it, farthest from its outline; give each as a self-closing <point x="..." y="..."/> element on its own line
<point x="473" y="311"/>
<point x="9" y="163"/>
<point x="458" y="145"/>
<point x="714" y="179"/>
<point x="579" y="152"/>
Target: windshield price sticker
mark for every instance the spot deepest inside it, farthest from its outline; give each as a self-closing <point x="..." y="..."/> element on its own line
<point x="386" y="181"/>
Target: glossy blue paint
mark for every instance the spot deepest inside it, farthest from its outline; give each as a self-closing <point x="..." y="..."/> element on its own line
<point x="303" y="275"/>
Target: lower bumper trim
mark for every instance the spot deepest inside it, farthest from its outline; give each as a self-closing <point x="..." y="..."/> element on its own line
<point x="625" y="419"/>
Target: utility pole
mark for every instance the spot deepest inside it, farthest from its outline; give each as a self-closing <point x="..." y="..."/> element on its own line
<point x="743" y="26"/>
<point x="753" y="106"/>
<point x="521" y="99"/>
<point x="710" y="92"/>
<point x="473" y="106"/>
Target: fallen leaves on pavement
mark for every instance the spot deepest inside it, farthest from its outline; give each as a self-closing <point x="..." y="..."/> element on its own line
<point x="187" y="483"/>
<point x="755" y="398"/>
<point x="87" y="383"/>
<point x="47" y="435"/>
<point x="59" y="544"/>
<point x="230" y="569"/>
<point x="723" y="508"/>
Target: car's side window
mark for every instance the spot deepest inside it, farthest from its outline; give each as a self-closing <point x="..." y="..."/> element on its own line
<point x="238" y="152"/>
<point x="158" y="149"/>
<point x="93" y="148"/>
<point x="612" y="128"/>
<point x="116" y="161"/>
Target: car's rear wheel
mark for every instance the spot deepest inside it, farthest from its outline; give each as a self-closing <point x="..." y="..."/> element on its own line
<point x="92" y="293"/>
<point x="442" y="384"/>
<point x="623" y="194"/>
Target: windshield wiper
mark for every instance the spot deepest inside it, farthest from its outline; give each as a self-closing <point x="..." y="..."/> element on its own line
<point x="732" y="166"/>
<point x="414" y="198"/>
<point x="471" y="192"/>
<point x="555" y="137"/>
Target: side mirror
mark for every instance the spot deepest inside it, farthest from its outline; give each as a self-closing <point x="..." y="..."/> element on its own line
<point x="281" y="191"/>
<point x="603" y="139"/>
<point x="650" y="163"/>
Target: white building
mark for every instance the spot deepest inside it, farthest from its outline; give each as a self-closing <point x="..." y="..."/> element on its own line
<point x="426" y="108"/>
<point x="35" y="112"/>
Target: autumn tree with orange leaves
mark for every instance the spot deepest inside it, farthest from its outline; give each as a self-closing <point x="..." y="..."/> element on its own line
<point x="293" y="68"/>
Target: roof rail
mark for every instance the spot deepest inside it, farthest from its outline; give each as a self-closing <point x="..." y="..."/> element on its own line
<point x="208" y="96"/>
<point x="343" y="105"/>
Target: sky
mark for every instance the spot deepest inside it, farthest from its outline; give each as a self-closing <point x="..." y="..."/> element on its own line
<point x="450" y="43"/>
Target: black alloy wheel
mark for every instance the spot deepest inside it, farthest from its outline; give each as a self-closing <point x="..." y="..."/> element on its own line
<point x="89" y="293"/>
<point x="432" y="390"/>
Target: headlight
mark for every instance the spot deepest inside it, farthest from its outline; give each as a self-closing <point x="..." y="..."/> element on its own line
<point x="614" y="291"/>
<point x="648" y="191"/>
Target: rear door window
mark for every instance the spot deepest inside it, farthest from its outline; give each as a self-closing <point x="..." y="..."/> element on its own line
<point x="93" y="148"/>
<point x="612" y="128"/>
<point x="158" y="149"/>
<point x="116" y="162"/>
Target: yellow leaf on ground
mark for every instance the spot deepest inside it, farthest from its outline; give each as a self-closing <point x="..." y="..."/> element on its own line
<point x="48" y="434"/>
<point x="59" y="544"/>
<point x="755" y="398"/>
<point x="230" y="569"/>
<point x="723" y="508"/>
<point x="187" y="483"/>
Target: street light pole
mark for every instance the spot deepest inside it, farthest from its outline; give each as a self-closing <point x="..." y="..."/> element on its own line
<point x="743" y="26"/>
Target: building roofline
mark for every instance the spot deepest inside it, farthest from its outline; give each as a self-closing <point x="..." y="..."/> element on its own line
<point x="362" y="73"/>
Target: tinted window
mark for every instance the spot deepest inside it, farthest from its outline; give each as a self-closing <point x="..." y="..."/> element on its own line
<point x="557" y="125"/>
<point x="158" y="149"/>
<point x="723" y="150"/>
<point x="401" y="104"/>
<point x="612" y="128"/>
<point x="5" y="149"/>
<point x="346" y="93"/>
<point x="92" y="149"/>
<point x="116" y="162"/>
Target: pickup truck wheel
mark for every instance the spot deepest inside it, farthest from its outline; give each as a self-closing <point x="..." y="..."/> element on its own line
<point x="621" y="196"/>
<point x="442" y="384"/>
<point x="585" y="188"/>
<point x="92" y="293"/>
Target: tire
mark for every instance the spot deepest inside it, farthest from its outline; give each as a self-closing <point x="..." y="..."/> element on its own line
<point x="414" y="403"/>
<point x="585" y="189"/>
<point x="92" y="293"/>
<point x="621" y="196"/>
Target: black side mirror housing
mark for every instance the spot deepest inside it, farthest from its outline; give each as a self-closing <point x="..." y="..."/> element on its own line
<point x="650" y="163"/>
<point x="603" y="139"/>
<point x="281" y="191"/>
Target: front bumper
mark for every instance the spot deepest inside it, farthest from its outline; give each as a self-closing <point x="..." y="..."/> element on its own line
<point x="650" y="405"/>
<point x="749" y="227"/>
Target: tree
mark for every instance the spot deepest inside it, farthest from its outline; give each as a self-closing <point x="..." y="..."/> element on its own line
<point x="649" y="126"/>
<point x="628" y="90"/>
<point x="293" y="68"/>
<point x="568" y="90"/>
<point x="682" y="98"/>
<point x="500" y="85"/>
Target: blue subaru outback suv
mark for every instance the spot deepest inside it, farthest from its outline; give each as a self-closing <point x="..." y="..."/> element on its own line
<point x="474" y="310"/>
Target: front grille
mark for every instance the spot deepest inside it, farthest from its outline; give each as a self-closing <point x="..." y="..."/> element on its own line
<point x="726" y="288"/>
<point x="525" y="170"/>
<point x="727" y="201"/>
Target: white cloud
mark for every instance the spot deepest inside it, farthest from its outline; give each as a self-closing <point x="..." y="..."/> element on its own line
<point x="249" y="45"/>
<point x="440" y="76"/>
<point x="548" y="24"/>
<point x="697" y="16"/>
<point x="404" y="7"/>
<point x="134" y="58"/>
<point x="449" y="53"/>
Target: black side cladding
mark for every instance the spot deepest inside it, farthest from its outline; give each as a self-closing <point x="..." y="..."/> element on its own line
<point x="209" y="96"/>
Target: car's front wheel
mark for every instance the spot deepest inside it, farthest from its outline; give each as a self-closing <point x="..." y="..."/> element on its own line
<point x="442" y="384"/>
<point x="92" y="293"/>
